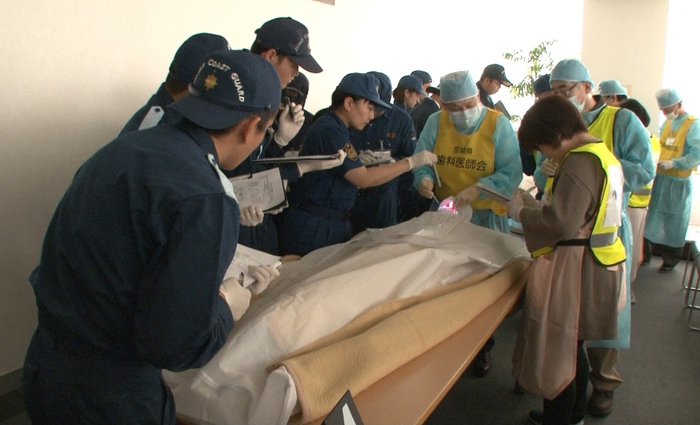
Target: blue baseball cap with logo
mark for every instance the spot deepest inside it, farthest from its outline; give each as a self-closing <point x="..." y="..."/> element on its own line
<point x="189" y="55"/>
<point x="363" y="85"/>
<point x="230" y="86"/>
<point x="290" y="38"/>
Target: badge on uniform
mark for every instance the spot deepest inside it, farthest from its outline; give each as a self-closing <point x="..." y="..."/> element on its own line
<point x="350" y="150"/>
<point x="670" y="141"/>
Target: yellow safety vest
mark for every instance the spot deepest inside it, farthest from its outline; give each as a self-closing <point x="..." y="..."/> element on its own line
<point x="604" y="241"/>
<point x="640" y="198"/>
<point x="602" y="128"/>
<point x="465" y="158"/>
<point x="672" y="147"/>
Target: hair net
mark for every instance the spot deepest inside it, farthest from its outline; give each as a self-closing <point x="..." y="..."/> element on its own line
<point x="457" y="86"/>
<point x="571" y="70"/>
<point x="667" y="97"/>
<point x="611" y="87"/>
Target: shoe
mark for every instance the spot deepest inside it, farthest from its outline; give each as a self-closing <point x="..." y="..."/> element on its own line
<point x="518" y="389"/>
<point x="665" y="268"/>
<point x="600" y="403"/>
<point x="536" y="417"/>
<point x="482" y="365"/>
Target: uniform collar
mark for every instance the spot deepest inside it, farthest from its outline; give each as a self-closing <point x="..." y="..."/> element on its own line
<point x="199" y="135"/>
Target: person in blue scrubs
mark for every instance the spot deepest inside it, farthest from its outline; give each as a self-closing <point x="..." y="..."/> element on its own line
<point x="468" y="138"/>
<point x="131" y="270"/>
<point x="390" y="130"/>
<point x="182" y="71"/>
<point x="319" y="214"/>
<point x="627" y="138"/>
<point x="671" y="194"/>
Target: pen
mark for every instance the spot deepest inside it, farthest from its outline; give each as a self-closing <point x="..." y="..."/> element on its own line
<point x="437" y="176"/>
<point x="241" y="278"/>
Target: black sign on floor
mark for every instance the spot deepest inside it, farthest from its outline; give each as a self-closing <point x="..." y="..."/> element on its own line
<point x="344" y="413"/>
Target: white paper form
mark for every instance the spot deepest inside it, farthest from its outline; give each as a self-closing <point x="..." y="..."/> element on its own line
<point x="245" y="257"/>
<point x="264" y="189"/>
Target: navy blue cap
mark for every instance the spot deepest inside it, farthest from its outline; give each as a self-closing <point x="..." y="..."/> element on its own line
<point x="423" y="76"/>
<point x="496" y="72"/>
<point x="413" y="83"/>
<point x="384" y="86"/>
<point x="230" y="85"/>
<point x="291" y="38"/>
<point x="363" y="85"/>
<point x="190" y="54"/>
<point x="541" y="85"/>
<point x="297" y="89"/>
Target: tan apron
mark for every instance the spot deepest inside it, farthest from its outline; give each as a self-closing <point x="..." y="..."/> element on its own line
<point x="544" y="359"/>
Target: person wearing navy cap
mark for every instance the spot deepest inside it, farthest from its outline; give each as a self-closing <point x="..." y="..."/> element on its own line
<point x="182" y="71"/>
<point x="474" y="145"/>
<point x="493" y="77"/>
<point x="408" y="93"/>
<point x="320" y="202"/>
<point x="131" y="270"/>
<point x="284" y="42"/>
<point x="390" y="132"/>
<point x="541" y="87"/>
<point x="425" y="78"/>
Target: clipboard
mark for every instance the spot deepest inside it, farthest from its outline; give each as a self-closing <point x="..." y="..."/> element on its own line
<point x="492" y="193"/>
<point x="265" y="189"/>
<point x="294" y="159"/>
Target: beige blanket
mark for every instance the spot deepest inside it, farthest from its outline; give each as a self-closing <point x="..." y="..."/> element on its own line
<point x="388" y="336"/>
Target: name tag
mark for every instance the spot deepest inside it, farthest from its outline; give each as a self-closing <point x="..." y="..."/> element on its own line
<point x="670" y="141"/>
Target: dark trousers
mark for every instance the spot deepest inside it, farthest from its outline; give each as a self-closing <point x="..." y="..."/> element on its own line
<point x="569" y="407"/>
<point x="670" y="254"/>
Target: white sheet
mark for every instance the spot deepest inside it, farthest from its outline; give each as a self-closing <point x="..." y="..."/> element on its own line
<point x="321" y="293"/>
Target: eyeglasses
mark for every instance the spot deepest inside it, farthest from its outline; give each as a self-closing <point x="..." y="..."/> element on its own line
<point x="565" y="92"/>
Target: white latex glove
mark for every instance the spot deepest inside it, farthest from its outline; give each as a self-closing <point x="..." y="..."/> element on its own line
<point x="326" y="164"/>
<point x="251" y="215"/>
<point x="236" y="296"/>
<point x="549" y="167"/>
<point x="466" y="196"/>
<point x="367" y="156"/>
<point x="288" y="124"/>
<point x="425" y="188"/>
<point x="263" y="275"/>
<point x="514" y="207"/>
<point x="666" y="164"/>
<point x="421" y="158"/>
<point x="527" y="198"/>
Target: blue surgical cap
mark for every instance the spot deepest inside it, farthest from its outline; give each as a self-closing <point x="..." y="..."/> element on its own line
<point x="667" y="97"/>
<point x="571" y="70"/>
<point x="611" y="87"/>
<point x="457" y="86"/>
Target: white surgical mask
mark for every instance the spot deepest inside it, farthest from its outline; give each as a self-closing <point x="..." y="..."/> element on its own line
<point x="466" y="118"/>
<point x="671" y="116"/>
<point x="574" y="101"/>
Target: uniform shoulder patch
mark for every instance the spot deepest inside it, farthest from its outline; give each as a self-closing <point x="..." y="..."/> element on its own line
<point x="350" y="150"/>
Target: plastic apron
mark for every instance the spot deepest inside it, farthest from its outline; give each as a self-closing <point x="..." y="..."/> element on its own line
<point x="544" y="359"/>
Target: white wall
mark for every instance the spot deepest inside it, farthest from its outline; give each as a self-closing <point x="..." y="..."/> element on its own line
<point x="625" y="40"/>
<point x="74" y="71"/>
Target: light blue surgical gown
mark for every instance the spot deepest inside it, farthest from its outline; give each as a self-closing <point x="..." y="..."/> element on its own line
<point x="508" y="170"/>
